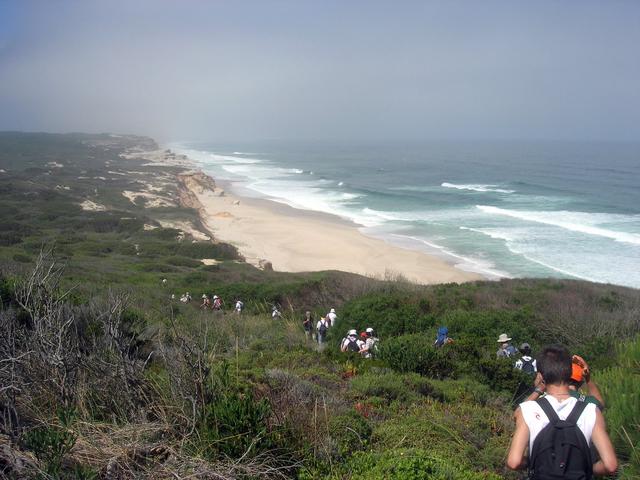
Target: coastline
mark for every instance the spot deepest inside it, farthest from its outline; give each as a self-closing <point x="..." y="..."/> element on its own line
<point x="271" y="234"/>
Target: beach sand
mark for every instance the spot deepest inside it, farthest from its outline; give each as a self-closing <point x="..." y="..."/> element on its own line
<point x="293" y="240"/>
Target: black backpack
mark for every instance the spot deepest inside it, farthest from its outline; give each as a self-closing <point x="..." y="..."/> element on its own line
<point x="353" y="346"/>
<point x="323" y="328"/>
<point x="527" y="366"/>
<point x="560" y="451"/>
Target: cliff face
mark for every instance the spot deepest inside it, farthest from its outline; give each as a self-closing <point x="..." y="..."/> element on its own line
<point x="188" y="183"/>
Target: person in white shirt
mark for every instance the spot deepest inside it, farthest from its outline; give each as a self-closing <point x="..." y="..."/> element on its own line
<point x="332" y="317"/>
<point x="553" y="377"/>
<point x="370" y="347"/>
<point x="239" y="307"/>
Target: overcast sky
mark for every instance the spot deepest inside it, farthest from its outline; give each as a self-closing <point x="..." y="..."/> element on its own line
<point x="351" y="70"/>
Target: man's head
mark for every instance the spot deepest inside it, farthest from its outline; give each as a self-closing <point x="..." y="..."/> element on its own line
<point x="525" y="348"/>
<point x="554" y="363"/>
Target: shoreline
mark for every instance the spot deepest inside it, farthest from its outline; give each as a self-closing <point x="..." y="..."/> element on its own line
<point x="271" y="234"/>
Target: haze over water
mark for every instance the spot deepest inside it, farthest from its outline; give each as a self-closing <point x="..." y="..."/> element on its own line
<point x="504" y="209"/>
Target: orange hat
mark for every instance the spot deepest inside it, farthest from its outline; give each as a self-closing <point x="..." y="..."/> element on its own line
<point x="577" y="373"/>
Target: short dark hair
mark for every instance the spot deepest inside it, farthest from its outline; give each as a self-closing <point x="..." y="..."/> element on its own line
<point x="554" y="363"/>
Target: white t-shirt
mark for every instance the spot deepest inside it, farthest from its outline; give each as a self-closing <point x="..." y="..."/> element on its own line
<point x="536" y="419"/>
<point x="332" y="317"/>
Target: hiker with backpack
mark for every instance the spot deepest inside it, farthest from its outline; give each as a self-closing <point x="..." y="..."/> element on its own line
<point x="370" y="347"/>
<point x="322" y="328"/>
<point x="506" y="350"/>
<point x="443" y="337"/>
<point x="307" y="324"/>
<point x="351" y="343"/>
<point x="526" y="362"/>
<point x="557" y="429"/>
<point x="332" y="317"/>
<point x="217" y="303"/>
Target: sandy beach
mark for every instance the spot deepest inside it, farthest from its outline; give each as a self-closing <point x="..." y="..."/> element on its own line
<point x="294" y="240"/>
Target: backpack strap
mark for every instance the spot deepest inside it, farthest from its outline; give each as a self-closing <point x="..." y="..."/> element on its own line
<point x="548" y="410"/>
<point x="576" y="412"/>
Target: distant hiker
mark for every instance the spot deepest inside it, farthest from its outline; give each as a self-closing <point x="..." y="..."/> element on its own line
<point x="307" y="324"/>
<point x="506" y="349"/>
<point x="275" y="312"/>
<point x="239" y="306"/>
<point x="322" y="328"/>
<point x="164" y="282"/>
<point x="351" y="343"/>
<point x="217" y="303"/>
<point x="188" y="296"/>
<point x="526" y="363"/>
<point x="443" y="337"/>
<point x="173" y="296"/>
<point x="370" y="347"/>
<point x="206" y="303"/>
<point x="557" y="429"/>
<point x="184" y="298"/>
<point x="332" y="317"/>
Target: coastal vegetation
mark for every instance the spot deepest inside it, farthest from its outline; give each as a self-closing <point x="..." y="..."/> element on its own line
<point x="104" y="375"/>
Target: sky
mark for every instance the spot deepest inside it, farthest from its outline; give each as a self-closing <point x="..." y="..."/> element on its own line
<point x="346" y="70"/>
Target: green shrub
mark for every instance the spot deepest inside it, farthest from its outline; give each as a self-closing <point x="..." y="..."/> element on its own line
<point x="50" y="444"/>
<point x="415" y="353"/>
<point x="620" y="386"/>
<point x="183" y="262"/>
<point x="391" y="386"/>
<point x="501" y="376"/>
<point x="406" y="464"/>
<point x="350" y="431"/>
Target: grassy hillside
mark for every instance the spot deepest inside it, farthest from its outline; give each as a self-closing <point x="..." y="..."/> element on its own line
<point x="102" y="375"/>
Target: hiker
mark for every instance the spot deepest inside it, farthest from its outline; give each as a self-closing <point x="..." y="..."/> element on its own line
<point x="239" y="306"/>
<point x="183" y="298"/>
<point x="322" y="328"/>
<point x="275" y="312"/>
<point x="332" y="317"/>
<point x="581" y="376"/>
<point x="370" y="347"/>
<point x="506" y="349"/>
<point x="307" y="324"/>
<point x="443" y="337"/>
<point x="206" y="303"/>
<point x="217" y="303"/>
<point x="164" y="282"/>
<point x="351" y="343"/>
<point x="526" y="363"/>
<point x="557" y="429"/>
<point x="188" y="296"/>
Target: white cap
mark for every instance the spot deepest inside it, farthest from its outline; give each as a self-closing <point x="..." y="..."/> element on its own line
<point x="215" y="296"/>
<point x="204" y="295"/>
<point x="352" y="332"/>
<point x="333" y="310"/>
<point x="369" y="330"/>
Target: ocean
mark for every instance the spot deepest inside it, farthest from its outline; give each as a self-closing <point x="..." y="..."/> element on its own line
<point x="502" y="209"/>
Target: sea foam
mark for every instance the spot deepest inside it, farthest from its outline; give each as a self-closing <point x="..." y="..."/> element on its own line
<point x="569" y="221"/>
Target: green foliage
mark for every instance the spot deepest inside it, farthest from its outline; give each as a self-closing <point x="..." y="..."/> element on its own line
<point x="500" y="375"/>
<point x="415" y="353"/>
<point x="391" y="386"/>
<point x="392" y="313"/>
<point x="350" y="431"/>
<point x="406" y="464"/>
<point x="233" y="423"/>
<point x="620" y="387"/>
<point x="50" y="444"/>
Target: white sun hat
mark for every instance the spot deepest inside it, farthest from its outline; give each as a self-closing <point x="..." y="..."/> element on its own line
<point x="352" y="332"/>
<point x="333" y="310"/>
<point x="503" y="338"/>
<point x="369" y="330"/>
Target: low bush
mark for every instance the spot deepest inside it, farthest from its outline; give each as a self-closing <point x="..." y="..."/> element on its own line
<point x="405" y="464"/>
<point x="415" y="353"/>
<point x="350" y="432"/>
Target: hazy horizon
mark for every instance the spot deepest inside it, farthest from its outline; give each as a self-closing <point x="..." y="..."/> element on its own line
<point x="362" y="71"/>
